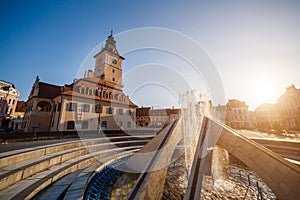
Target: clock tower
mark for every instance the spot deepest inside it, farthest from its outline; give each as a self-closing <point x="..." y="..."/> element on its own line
<point x="109" y="63"/>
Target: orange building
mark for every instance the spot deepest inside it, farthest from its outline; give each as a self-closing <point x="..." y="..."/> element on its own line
<point x="237" y="114"/>
<point x="93" y="102"/>
<point x="289" y="108"/>
<point x="142" y="116"/>
<point x="267" y="117"/>
<point x="160" y="117"/>
<point x="8" y="101"/>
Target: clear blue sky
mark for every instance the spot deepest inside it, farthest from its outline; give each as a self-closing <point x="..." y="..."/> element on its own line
<point x="254" y="44"/>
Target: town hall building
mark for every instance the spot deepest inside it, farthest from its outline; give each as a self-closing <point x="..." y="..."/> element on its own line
<point x="94" y="102"/>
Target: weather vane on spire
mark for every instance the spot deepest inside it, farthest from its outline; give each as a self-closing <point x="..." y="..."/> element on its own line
<point x="111" y="32"/>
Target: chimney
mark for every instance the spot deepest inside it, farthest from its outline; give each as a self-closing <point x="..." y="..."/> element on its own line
<point x="90" y="74"/>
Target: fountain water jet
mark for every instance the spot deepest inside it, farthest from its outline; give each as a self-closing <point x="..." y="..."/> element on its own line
<point x="194" y="106"/>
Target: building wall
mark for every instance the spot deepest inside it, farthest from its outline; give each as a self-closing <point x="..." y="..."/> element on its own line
<point x="289" y="108"/>
<point x="114" y="120"/>
<point x="267" y="117"/>
<point x="238" y="115"/>
<point x="8" y="102"/>
<point x="36" y="120"/>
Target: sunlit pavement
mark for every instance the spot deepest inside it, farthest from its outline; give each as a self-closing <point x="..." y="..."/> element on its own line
<point x="263" y="135"/>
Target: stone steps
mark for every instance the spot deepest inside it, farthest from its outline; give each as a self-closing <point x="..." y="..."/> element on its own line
<point x="77" y="187"/>
<point x="27" y="188"/>
<point x="19" y="171"/>
<point x="13" y="157"/>
<point x="26" y="172"/>
<point x="72" y="186"/>
<point x="58" y="188"/>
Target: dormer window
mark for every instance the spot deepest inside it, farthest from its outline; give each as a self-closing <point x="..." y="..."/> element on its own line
<point x="81" y="90"/>
<point x="90" y="91"/>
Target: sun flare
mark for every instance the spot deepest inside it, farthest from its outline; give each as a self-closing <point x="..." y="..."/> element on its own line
<point x="265" y="92"/>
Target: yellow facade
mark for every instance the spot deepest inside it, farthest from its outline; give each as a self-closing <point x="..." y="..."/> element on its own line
<point x="77" y="106"/>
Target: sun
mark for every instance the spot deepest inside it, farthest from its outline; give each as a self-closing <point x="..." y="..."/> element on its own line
<point x="264" y="92"/>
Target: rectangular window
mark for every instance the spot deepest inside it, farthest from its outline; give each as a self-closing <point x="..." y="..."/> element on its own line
<point x="9" y="101"/>
<point x="129" y="112"/>
<point x="85" y="124"/>
<point x="13" y="102"/>
<point x="104" y="124"/>
<point x="54" y="108"/>
<point x="120" y="111"/>
<point x="85" y="108"/>
<point x="129" y="124"/>
<point x="71" y="107"/>
<point x="70" y="125"/>
<point x="110" y="110"/>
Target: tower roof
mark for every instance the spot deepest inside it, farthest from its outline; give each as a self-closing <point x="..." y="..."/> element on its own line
<point x="110" y="45"/>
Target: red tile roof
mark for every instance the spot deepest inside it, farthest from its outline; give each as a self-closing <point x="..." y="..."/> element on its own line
<point x="144" y="111"/>
<point x="20" y="106"/>
<point x="49" y="91"/>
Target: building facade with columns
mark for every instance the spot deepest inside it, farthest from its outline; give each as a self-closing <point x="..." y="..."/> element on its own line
<point x="94" y="102"/>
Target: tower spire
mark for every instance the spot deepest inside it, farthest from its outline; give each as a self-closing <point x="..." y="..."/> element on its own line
<point x="111" y="32"/>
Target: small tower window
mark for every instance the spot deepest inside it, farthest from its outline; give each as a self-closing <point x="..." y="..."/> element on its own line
<point x="113" y="79"/>
<point x="113" y="70"/>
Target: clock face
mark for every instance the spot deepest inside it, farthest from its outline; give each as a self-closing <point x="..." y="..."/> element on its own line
<point x="114" y="61"/>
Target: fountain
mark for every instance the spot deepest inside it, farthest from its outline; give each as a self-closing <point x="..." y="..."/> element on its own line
<point x="194" y="106"/>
